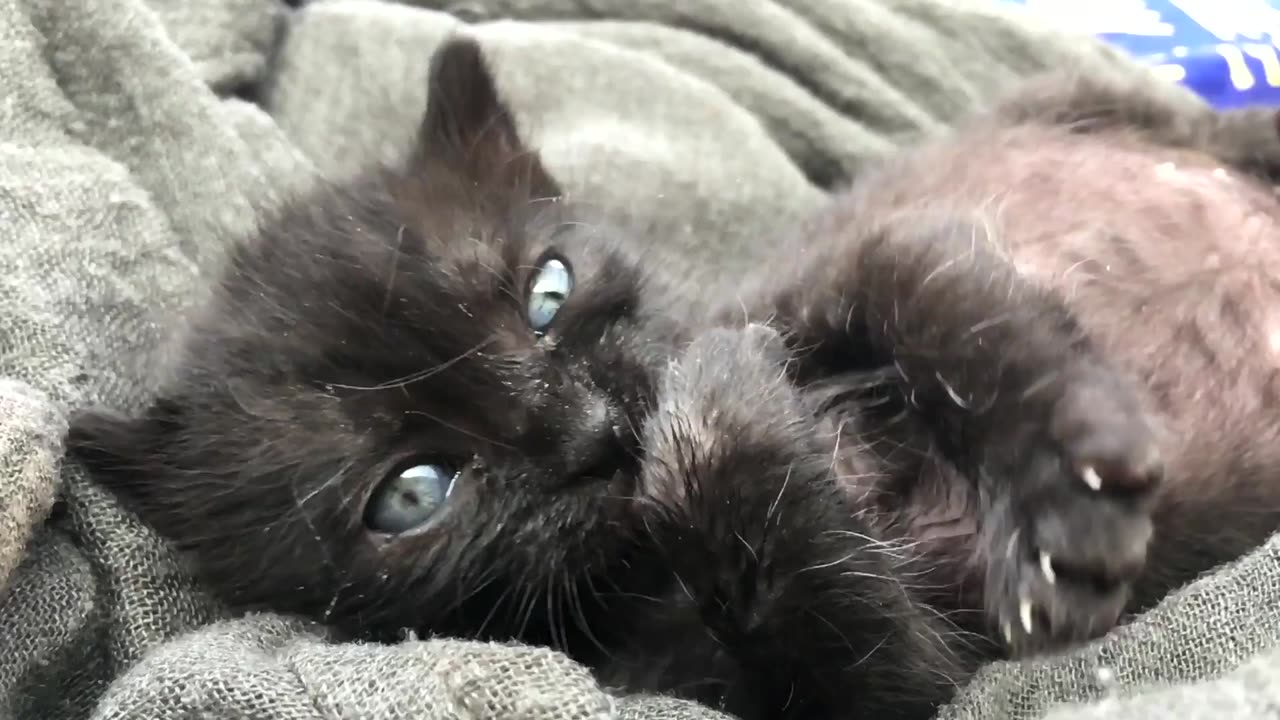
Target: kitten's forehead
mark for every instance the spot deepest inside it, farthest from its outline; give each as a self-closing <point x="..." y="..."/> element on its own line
<point x="486" y="265"/>
<point x="475" y="256"/>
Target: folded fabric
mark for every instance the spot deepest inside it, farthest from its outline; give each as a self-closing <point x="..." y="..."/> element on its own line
<point x="1224" y="51"/>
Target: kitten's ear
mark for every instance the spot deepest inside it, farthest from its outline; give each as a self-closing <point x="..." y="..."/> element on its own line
<point x="467" y="126"/>
<point x="120" y="452"/>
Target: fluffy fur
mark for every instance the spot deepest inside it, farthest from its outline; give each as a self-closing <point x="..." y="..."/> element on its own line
<point x="819" y="520"/>
<point x="382" y="320"/>
<point x="1078" y="286"/>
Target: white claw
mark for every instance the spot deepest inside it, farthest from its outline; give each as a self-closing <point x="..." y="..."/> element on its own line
<point x="1007" y="631"/>
<point x="1024" y="614"/>
<point x="1046" y="567"/>
<point x="1091" y="477"/>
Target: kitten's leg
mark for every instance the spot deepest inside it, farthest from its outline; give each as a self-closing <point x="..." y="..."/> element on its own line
<point x="1063" y="454"/>
<point x="1247" y="139"/>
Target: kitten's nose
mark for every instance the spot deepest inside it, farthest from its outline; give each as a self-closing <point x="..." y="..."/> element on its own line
<point x="594" y="448"/>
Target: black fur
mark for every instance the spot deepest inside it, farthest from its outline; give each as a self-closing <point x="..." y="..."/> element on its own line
<point x="783" y="529"/>
<point x="383" y="320"/>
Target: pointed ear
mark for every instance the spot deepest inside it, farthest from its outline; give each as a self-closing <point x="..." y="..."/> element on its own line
<point x="469" y="128"/>
<point x="120" y="451"/>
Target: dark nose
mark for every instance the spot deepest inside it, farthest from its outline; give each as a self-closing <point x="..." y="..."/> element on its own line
<point x="593" y="447"/>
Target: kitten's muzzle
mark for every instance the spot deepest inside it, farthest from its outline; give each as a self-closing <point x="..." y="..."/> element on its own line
<point x="596" y="447"/>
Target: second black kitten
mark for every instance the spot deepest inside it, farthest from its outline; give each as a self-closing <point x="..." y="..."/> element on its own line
<point x="1054" y="329"/>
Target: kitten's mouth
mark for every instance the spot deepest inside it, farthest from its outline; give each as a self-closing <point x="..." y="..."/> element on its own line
<point x="622" y="473"/>
<point x="626" y="479"/>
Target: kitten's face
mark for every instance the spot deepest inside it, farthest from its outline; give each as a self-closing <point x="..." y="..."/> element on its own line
<point x="410" y="393"/>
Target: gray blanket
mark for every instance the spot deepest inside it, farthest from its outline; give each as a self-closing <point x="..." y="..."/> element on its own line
<point x="129" y="163"/>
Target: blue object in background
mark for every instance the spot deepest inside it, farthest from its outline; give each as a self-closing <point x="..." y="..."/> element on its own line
<point x="1225" y="50"/>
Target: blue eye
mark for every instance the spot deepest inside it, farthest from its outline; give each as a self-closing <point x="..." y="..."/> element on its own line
<point x="408" y="499"/>
<point x="549" y="290"/>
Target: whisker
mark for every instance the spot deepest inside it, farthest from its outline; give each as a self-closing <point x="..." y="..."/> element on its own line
<point x="420" y="375"/>
<point x="459" y="429"/>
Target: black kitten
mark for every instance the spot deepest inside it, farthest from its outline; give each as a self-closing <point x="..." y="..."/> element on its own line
<point x="1055" y="330"/>
<point x="449" y="329"/>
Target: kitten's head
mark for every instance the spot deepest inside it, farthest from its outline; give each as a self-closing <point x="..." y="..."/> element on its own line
<point x="412" y="390"/>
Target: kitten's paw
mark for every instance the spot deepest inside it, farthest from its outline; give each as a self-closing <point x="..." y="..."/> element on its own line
<point x="1070" y="524"/>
